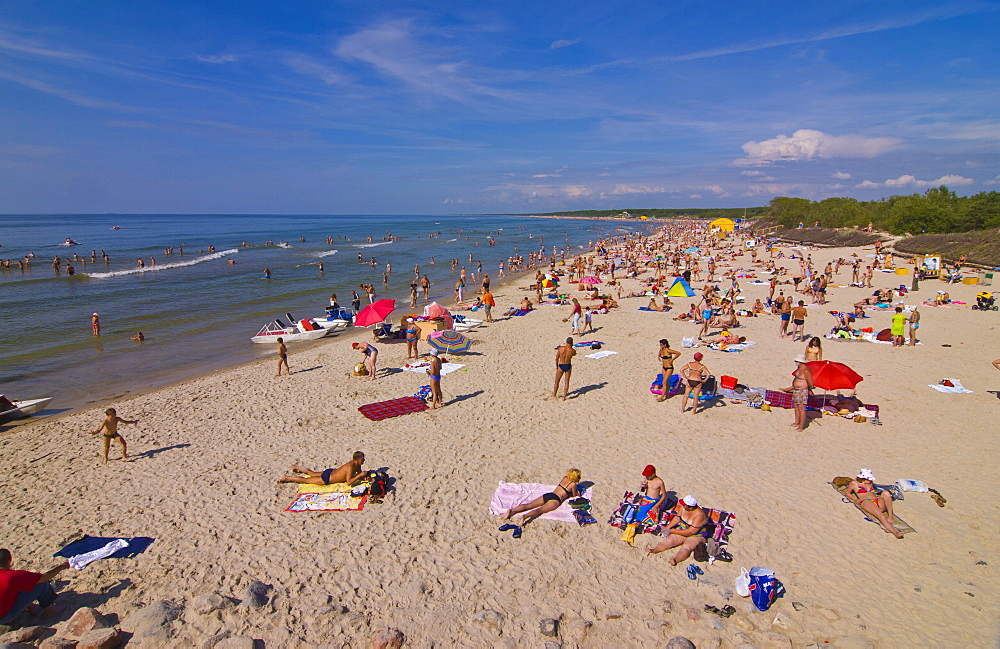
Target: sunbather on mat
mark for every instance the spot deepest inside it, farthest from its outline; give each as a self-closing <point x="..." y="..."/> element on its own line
<point x="687" y="530"/>
<point x="862" y="493"/>
<point x="350" y="473"/>
<point x="567" y="488"/>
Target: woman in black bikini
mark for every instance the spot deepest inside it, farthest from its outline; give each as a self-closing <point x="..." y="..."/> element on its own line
<point x="667" y="357"/>
<point x="550" y="501"/>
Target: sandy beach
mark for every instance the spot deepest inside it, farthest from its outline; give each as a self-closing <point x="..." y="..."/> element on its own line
<point x="429" y="559"/>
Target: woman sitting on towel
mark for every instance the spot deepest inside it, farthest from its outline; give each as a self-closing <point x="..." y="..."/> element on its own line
<point x="567" y="488"/>
<point x="862" y="493"/>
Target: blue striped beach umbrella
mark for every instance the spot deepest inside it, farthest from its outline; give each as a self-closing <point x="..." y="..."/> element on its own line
<point x="449" y="340"/>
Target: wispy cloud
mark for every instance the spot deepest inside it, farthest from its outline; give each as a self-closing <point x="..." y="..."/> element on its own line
<point x="217" y="58"/>
<point x="68" y="95"/>
<point x="841" y="175"/>
<point x="908" y="180"/>
<point x="556" y="45"/>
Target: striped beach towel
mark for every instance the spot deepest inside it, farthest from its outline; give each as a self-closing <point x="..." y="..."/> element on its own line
<point x="392" y="408"/>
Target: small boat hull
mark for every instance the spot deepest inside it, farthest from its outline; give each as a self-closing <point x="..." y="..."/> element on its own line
<point x="24" y="409"/>
<point x="295" y="337"/>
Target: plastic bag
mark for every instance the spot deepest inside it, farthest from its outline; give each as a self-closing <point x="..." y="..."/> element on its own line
<point x="687" y="342"/>
<point x="912" y="485"/>
<point x="764" y="587"/>
<point x="743" y="583"/>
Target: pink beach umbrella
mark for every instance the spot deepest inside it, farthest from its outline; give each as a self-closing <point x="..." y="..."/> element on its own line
<point x="374" y="313"/>
<point x="590" y="280"/>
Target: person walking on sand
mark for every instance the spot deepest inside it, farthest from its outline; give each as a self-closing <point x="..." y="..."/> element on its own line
<point x="693" y="377"/>
<point x="110" y="428"/>
<point x="575" y="316"/>
<point x="488" y="303"/>
<point x="802" y="385"/>
<point x="785" y="313"/>
<point x="564" y="367"/>
<point x="799" y="321"/>
<point x="95" y="325"/>
<point x="282" y="357"/>
<point x="434" y="374"/>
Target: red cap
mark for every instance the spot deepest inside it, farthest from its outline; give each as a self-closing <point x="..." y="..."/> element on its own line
<point x="648" y="471"/>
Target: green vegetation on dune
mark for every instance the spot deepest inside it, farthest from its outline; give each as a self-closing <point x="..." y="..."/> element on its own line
<point x="937" y="210"/>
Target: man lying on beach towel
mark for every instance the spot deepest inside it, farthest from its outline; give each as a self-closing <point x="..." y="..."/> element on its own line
<point x="349" y="473"/>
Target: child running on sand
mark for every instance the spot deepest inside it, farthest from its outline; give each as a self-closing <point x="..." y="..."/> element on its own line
<point x="110" y="427"/>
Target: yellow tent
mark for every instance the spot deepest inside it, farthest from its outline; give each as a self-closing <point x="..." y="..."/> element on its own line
<point x="724" y="225"/>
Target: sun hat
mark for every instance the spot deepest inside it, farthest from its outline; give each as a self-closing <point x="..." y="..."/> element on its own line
<point x="866" y="474"/>
<point x="648" y="471"/>
<point x="698" y="356"/>
<point x="801" y="358"/>
<point x="435" y="352"/>
<point x="96" y="314"/>
<point x="690" y="501"/>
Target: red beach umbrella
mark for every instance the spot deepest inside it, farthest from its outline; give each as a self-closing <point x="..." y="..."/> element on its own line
<point x="830" y="375"/>
<point x="374" y="313"/>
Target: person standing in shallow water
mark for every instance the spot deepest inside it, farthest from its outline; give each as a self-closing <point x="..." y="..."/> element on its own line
<point x="95" y="324"/>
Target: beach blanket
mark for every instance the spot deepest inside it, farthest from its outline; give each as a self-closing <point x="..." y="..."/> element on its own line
<point x="646" y="308"/>
<point x="957" y="388"/>
<point x="720" y="523"/>
<point x="816" y="401"/>
<point x="329" y="501"/>
<point x="732" y="347"/>
<point x="588" y="343"/>
<point x="520" y="312"/>
<point x="421" y="368"/>
<point x="87" y="544"/>
<point x="392" y="408"/>
<point x="509" y="495"/>
<point x="897" y="522"/>
<point x="600" y="354"/>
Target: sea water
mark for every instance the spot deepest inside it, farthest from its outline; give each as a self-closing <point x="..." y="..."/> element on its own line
<point x="197" y="310"/>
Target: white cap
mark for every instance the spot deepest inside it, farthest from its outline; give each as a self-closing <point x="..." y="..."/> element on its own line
<point x="435" y="352"/>
<point x="866" y="474"/>
<point x="96" y="314"/>
<point x="690" y="501"/>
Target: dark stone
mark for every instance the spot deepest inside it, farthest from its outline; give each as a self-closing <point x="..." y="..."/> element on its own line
<point x="679" y="642"/>
<point x="256" y="595"/>
<point x="549" y="627"/>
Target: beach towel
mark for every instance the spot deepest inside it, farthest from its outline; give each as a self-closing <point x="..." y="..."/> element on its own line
<point x="897" y="522"/>
<point x="600" y="354"/>
<point x="136" y="546"/>
<point x="392" y="408"/>
<point x="732" y="347"/>
<point x="588" y="343"/>
<point x="646" y="308"/>
<point x="509" y="495"/>
<point x="81" y="561"/>
<point x="520" y="312"/>
<point x="330" y="501"/>
<point x="816" y="401"/>
<point x="720" y="523"/>
<point x="956" y="388"/>
<point x="421" y="368"/>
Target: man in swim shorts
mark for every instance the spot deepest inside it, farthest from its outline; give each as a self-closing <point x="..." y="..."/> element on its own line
<point x="282" y="357"/>
<point x="654" y="497"/>
<point x="802" y="384"/>
<point x="110" y="428"/>
<point x="564" y="366"/>
<point x="687" y="529"/>
<point x="350" y="473"/>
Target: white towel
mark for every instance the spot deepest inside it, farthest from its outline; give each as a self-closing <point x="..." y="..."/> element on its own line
<point x="421" y="368"/>
<point x="958" y="388"/>
<point x="81" y="561"/>
<point x="600" y="354"/>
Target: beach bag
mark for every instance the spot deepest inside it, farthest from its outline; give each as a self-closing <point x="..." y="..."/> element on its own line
<point x="755" y="400"/>
<point x="728" y="382"/>
<point x="885" y="335"/>
<point x="743" y="583"/>
<point x="764" y="588"/>
<point x="912" y="485"/>
<point x="379" y="486"/>
<point x="360" y="370"/>
<point x="687" y="342"/>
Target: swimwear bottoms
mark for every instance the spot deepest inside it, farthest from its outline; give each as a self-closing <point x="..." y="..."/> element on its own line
<point x="693" y="383"/>
<point x="326" y="476"/>
<point x="112" y="435"/>
<point x="565" y="367"/>
<point x="800" y="397"/>
<point x="283" y="356"/>
<point x="786" y="316"/>
<point x="915" y="325"/>
<point x="550" y="496"/>
<point x="799" y="323"/>
<point x="433" y="377"/>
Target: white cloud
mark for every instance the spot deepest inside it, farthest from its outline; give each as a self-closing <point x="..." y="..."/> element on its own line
<point x="695" y="196"/>
<point x="841" y="175"/>
<point x="511" y="191"/>
<point x="562" y="43"/>
<point x="808" y="144"/>
<point x="307" y="66"/>
<point x="994" y="181"/>
<point x="453" y="201"/>
<point x="547" y="176"/>
<point x="908" y="180"/>
<point x="752" y="173"/>
<point x="622" y="190"/>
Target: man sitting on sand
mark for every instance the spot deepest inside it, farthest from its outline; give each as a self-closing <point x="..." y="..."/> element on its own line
<point x="687" y="530"/>
<point x="350" y="473"/>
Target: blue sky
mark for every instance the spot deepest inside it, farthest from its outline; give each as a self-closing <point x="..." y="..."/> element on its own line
<point x="309" y="106"/>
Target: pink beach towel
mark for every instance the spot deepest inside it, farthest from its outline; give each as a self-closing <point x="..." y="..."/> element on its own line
<point x="509" y="495"/>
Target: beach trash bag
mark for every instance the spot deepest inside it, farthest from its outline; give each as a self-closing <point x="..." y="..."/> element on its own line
<point x="360" y="370"/>
<point x="764" y="588"/>
<point x="743" y="583"/>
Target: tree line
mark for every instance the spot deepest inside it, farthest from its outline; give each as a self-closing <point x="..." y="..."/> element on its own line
<point x="935" y="211"/>
<point x="669" y="213"/>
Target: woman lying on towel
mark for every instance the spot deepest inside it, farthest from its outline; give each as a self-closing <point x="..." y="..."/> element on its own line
<point x="862" y="493"/>
<point x="567" y="488"/>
